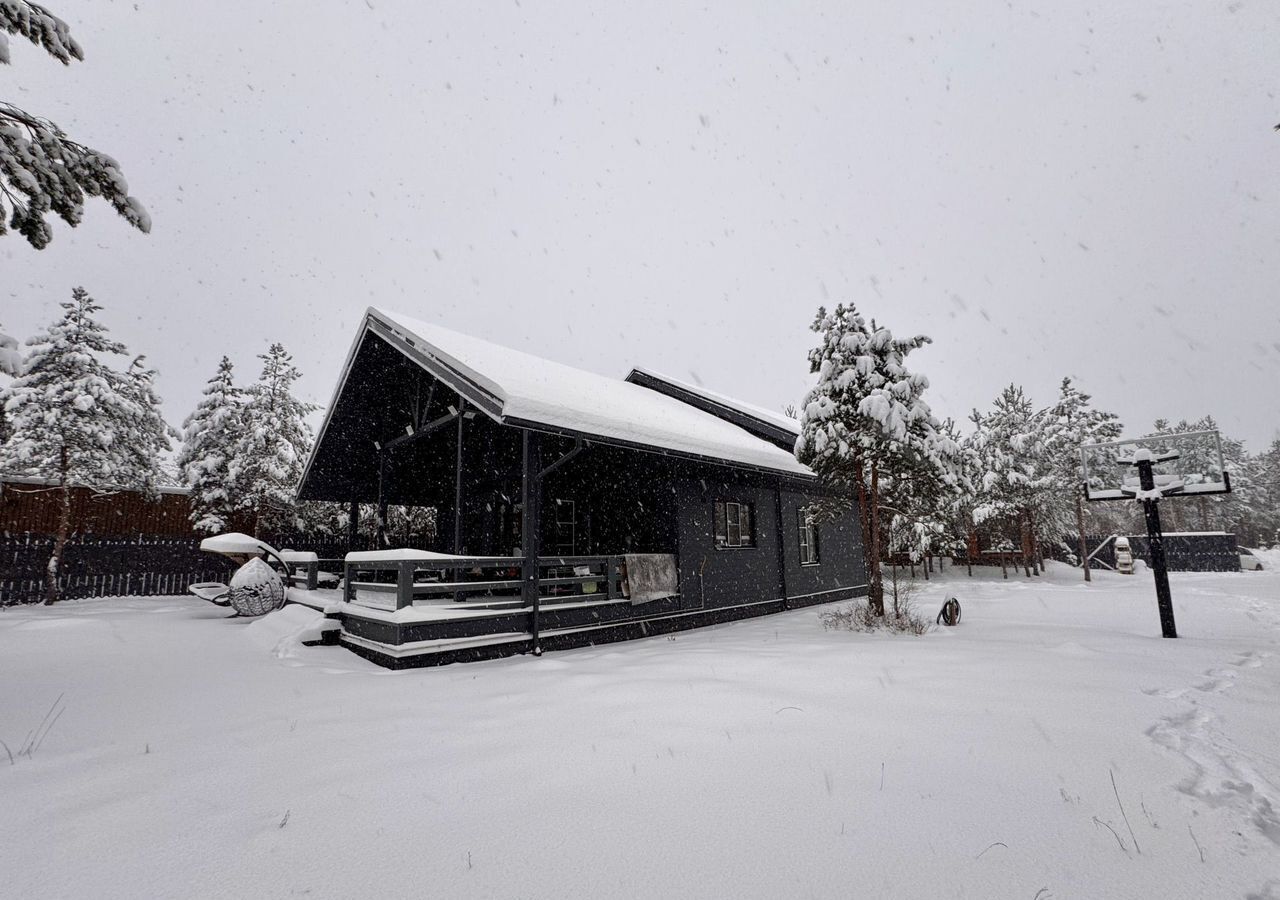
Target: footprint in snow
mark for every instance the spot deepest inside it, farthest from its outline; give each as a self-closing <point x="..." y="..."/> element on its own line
<point x="1166" y="693"/>
<point x="1220" y="775"/>
<point x="1249" y="659"/>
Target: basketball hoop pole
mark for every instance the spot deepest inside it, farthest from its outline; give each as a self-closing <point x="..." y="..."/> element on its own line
<point x="1155" y="539"/>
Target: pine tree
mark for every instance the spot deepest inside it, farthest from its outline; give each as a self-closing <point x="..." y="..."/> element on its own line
<point x="1199" y="457"/>
<point x="76" y="421"/>
<point x="41" y="169"/>
<point x="1266" y="478"/>
<point x="1017" y="478"/>
<point x="273" y="444"/>
<point x="1072" y="422"/>
<point x="148" y="433"/>
<point x="10" y="367"/>
<point x="209" y="440"/>
<point x="866" y="428"/>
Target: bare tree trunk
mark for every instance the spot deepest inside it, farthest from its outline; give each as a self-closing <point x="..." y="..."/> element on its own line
<point x="875" y="596"/>
<point x="1037" y="560"/>
<point x="1084" y="544"/>
<point x="51" y="588"/>
<point x="970" y="540"/>
<point x="1025" y="540"/>
<point x="864" y="520"/>
<point x="893" y="582"/>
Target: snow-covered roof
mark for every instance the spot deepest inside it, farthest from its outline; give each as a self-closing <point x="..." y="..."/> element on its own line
<point x="763" y="414"/>
<point x="529" y="390"/>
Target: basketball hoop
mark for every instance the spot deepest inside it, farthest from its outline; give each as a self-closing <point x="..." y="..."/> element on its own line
<point x="1149" y="469"/>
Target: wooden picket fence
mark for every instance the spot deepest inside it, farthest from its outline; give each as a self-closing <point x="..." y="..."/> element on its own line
<point x="136" y="565"/>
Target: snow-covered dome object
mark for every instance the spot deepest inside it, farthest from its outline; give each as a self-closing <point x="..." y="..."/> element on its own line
<point x="255" y="589"/>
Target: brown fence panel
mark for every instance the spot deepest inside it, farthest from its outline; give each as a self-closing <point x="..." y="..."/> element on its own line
<point x="26" y="506"/>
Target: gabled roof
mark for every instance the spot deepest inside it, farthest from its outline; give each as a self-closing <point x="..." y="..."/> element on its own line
<point x="520" y="389"/>
<point x="764" y="423"/>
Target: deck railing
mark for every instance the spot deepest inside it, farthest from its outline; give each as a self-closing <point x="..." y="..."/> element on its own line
<point x="490" y="579"/>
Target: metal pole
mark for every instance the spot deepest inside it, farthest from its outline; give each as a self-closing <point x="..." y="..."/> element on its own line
<point x="1155" y="538"/>
<point x="457" y="485"/>
<point x="531" y="531"/>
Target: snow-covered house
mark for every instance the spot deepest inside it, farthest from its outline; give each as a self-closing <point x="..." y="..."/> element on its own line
<point x="574" y="508"/>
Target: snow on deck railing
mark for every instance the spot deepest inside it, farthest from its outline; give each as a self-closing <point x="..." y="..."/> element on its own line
<point x="394" y="579"/>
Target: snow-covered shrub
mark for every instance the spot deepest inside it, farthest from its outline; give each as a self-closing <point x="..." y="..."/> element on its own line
<point x="859" y="616"/>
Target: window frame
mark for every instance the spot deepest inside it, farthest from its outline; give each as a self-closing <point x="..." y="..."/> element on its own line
<point x="810" y="542"/>
<point x="743" y="522"/>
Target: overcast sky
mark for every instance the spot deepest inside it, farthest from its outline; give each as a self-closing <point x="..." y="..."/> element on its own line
<point x="1043" y="188"/>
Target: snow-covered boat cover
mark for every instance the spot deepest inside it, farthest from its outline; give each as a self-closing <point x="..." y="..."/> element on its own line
<point x="235" y="542"/>
<point x="536" y="390"/>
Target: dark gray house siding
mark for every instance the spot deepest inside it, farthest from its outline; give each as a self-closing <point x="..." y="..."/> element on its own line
<point x="840" y="559"/>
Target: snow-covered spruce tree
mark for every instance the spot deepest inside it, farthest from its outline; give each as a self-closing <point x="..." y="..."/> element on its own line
<point x="273" y="444"/>
<point x="10" y="367"/>
<point x="76" y="421"/>
<point x="41" y="169"/>
<point x="1017" y="479"/>
<point x="865" y="427"/>
<point x="1069" y="423"/>
<point x="209" y="438"/>
<point x="148" y="433"/>
<point x="1226" y="512"/>
<point x="1266" y="479"/>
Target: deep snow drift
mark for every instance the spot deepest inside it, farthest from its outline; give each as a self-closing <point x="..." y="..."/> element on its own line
<point x="203" y="756"/>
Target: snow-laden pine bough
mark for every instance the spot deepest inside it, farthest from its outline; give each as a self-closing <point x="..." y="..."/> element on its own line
<point x="571" y="508"/>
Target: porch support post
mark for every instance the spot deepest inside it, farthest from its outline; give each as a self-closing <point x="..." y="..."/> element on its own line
<point x="531" y="529"/>
<point x="353" y="524"/>
<point x="782" y="546"/>
<point x="457" y="483"/>
<point x="382" y="498"/>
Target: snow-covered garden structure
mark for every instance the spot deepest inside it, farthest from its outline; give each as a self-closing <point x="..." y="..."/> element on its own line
<point x="574" y="508"/>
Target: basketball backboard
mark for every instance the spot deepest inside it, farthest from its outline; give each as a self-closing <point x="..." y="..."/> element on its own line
<point x="1183" y="463"/>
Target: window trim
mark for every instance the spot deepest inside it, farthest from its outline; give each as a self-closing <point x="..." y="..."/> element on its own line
<point x="810" y="543"/>
<point x="746" y="537"/>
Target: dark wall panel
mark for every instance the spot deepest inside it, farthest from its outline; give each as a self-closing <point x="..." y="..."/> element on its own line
<point x="841" y="563"/>
<point x="712" y="577"/>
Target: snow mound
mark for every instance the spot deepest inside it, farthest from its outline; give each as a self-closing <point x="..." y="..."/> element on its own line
<point x="1270" y="558"/>
<point x="283" y="632"/>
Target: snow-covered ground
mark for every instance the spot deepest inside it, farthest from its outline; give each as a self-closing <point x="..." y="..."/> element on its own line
<point x="767" y="758"/>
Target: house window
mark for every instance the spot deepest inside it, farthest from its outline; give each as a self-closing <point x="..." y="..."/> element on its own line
<point x="808" y="538"/>
<point x="735" y="524"/>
